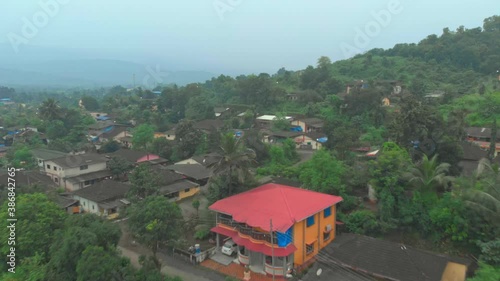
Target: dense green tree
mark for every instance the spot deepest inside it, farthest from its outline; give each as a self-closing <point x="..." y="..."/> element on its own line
<point x="119" y="166"/>
<point x="235" y="160"/>
<point x="37" y="219"/>
<point x="162" y="147"/>
<point x="430" y="176"/>
<point x="388" y="182"/>
<point x="156" y="221"/>
<point x="142" y="136"/>
<point x="56" y="130"/>
<point x="99" y="264"/>
<point x="199" y="108"/>
<point x="50" y="110"/>
<point x="280" y="123"/>
<point x="145" y="182"/>
<point x="188" y="139"/>
<point x="323" y="173"/>
<point x="486" y="273"/>
<point x="90" y="103"/>
<point x="66" y="252"/>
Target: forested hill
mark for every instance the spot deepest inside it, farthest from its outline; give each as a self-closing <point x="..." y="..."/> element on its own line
<point x="454" y="62"/>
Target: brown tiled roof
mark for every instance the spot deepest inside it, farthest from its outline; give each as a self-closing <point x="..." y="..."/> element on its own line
<point x="90" y="176"/>
<point x="209" y="124"/>
<point x="47" y="154"/>
<point x="113" y="133"/>
<point x="24" y="178"/>
<point x="194" y="171"/>
<point x="480" y="132"/>
<point x="207" y="159"/>
<point x="390" y="260"/>
<point x="312" y="121"/>
<point x="167" y="176"/>
<point x="330" y="271"/>
<point x="128" y="154"/>
<point x="285" y="134"/>
<point x="104" y="191"/>
<point x="472" y="151"/>
<point x="73" y="161"/>
<point x="177" y="186"/>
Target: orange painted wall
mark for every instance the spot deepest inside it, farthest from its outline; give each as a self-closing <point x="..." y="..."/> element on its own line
<point x="303" y="234"/>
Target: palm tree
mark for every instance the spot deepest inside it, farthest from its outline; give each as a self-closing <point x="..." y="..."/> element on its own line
<point x="50" y="109"/>
<point x="483" y="194"/>
<point x="429" y="175"/>
<point x="234" y="158"/>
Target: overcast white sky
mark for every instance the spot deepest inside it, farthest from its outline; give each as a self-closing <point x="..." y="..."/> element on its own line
<point x="253" y="36"/>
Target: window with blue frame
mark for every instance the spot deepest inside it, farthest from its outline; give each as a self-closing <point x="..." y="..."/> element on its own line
<point x="327" y="212"/>
<point x="310" y="221"/>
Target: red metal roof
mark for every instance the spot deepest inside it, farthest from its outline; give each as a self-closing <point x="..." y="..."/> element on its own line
<point x="255" y="247"/>
<point x="285" y="205"/>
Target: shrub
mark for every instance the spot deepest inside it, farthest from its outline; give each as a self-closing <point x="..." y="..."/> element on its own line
<point x="202" y="234"/>
<point x="362" y="222"/>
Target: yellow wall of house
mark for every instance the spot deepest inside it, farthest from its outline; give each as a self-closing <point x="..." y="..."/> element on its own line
<point x="160" y="135"/>
<point x="303" y="235"/>
<point x="192" y="191"/>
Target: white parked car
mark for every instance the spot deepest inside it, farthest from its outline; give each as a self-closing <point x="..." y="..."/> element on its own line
<point x="229" y="247"/>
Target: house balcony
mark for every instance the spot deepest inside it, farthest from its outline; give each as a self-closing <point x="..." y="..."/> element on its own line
<point x="247" y="231"/>
<point x="243" y="259"/>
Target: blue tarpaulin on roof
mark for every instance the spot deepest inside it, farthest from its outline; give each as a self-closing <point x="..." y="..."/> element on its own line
<point x="322" y="140"/>
<point x="296" y="129"/>
<point x="284" y="238"/>
<point x="108" y="129"/>
<point x="102" y="118"/>
<point x="238" y="134"/>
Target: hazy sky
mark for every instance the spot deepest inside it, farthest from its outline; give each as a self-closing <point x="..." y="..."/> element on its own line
<point x="242" y="36"/>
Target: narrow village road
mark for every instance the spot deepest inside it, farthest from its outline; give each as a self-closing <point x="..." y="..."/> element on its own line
<point x="170" y="265"/>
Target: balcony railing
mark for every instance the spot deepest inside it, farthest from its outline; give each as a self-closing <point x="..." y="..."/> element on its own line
<point x="249" y="231"/>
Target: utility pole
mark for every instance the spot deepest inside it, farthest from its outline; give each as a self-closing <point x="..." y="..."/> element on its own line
<point x="272" y="245"/>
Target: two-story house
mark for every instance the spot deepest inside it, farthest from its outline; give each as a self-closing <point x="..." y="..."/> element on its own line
<point x="74" y="172"/>
<point x="42" y="154"/>
<point x="276" y="227"/>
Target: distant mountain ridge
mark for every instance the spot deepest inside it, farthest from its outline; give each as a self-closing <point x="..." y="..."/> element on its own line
<point x="96" y="73"/>
<point x="46" y="66"/>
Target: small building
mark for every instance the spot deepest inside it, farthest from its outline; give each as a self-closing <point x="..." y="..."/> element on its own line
<point x="204" y="160"/>
<point x="266" y="121"/>
<point x="221" y="111"/>
<point x="115" y="134"/>
<point x="134" y="157"/>
<point x="274" y="137"/>
<point x="42" y="154"/>
<point x="309" y="124"/>
<point x="180" y="190"/>
<point x="29" y="178"/>
<point x="312" y="140"/>
<point x="289" y="223"/>
<point x="69" y="170"/>
<point x="472" y="154"/>
<point x="106" y="198"/>
<point x="196" y="173"/>
<point x="126" y="142"/>
<point x="170" y="134"/>
<point x="97" y="115"/>
<point x="68" y="204"/>
<point x="209" y="125"/>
